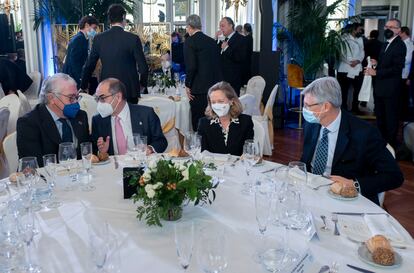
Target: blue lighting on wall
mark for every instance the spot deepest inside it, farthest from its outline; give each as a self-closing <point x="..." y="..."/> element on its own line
<point x="47" y="49"/>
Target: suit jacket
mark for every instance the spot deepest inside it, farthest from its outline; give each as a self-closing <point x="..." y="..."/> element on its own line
<point x="247" y="73"/>
<point x="38" y="135"/>
<point x="76" y="57"/>
<point x="12" y="78"/>
<point x="212" y="138"/>
<point x="389" y="69"/>
<point x="233" y="60"/>
<point x="144" y="121"/>
<point x="372" y="48"/>
<point x="411" y="74"/>
<point x="360" y="154"/>
<point x="120" y="52"/>
<point x="201" y="56"/>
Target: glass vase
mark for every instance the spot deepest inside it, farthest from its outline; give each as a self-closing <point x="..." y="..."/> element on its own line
<point x="172" y="213"/>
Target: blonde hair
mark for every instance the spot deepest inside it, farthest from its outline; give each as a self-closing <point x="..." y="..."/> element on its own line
<point x="236" y="107"/>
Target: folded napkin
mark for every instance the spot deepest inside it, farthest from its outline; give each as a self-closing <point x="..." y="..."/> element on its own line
<point x="381" y="225"/>
<point x="317" y="180"/>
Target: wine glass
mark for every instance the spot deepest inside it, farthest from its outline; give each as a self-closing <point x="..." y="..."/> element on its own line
<point x="184" y="242"/>
<point x="67" y="159"/>
<point x="298" y="174"/>
<point x="138" y="149"/>
<point x="50" y="165"/>
<point x="274" y="257"/>
<point x="193" y="144"/>
<point x="262" y="201"/>
<point x="27" y="172"/>
<point x="26" y="231"/>
<point x="86" y="151"/>
<point x="212" y="251"/>
<point x="251" y="155"/>
<point x="99" y="245"/>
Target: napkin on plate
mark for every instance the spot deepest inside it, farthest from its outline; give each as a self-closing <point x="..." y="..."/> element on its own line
<point x="380" y="224"/>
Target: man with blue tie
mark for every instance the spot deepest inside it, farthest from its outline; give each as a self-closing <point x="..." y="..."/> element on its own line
<point x="339" y="145"/>
<point x="118" y="120"/>
<point x="56" y="119"/>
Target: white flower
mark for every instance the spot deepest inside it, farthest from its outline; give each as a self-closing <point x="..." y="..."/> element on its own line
<point x="183" y="168"/>
<point x="153" y="165"/>
<point x="151" y="193"/>
<point x="146" y="176"/>
<point x="185" y="173"/>
<point x="157" y="186"/>
<point x="148" y="187"/>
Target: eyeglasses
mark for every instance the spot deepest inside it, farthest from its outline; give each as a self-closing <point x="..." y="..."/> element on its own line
<point x="72" y="98"/>
<point x="390" y="27"/>
<point x="102" y="98"/>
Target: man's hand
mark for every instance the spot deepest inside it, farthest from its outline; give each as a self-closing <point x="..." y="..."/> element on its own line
<point x="103" y="146"/>
<point x="224" y="45"/>
<point x="354" y="63"/>
<point x="150" y="150"/>
<point x="370" y="72"/>
<point x="344" y="181"/>
<point x="188" y="91"/>
<point x="218" y="33"/>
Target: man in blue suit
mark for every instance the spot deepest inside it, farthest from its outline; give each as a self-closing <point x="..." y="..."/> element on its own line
<point x="77" y="52"/>
<point x="113" y="128"/>
<point x="339" y="145"/>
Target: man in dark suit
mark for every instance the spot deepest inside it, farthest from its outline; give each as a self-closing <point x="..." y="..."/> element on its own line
<point x="387" y="80"/>
<point x="339" y="145"/>
<point x="12" y="78"/>
<point x="55" y="120"/>
<point x="113" y="128"/>
<point x="78" y="48"/>
<point x="201" y="55"/>
<point x="120" y="53"/>
<point x="247" y="29"/>
<point x="233" y="49"/>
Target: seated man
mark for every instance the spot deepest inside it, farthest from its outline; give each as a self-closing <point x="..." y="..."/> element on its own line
<point x="344" y="147"/>
<point x="113" y="128"/>
<point x="55" y="119"/>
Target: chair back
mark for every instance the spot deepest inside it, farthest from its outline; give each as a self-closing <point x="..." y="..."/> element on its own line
<point x="255" y="87"/>
<point x="259" y="135"/>
<point x="12" y="102"/>
<point x="89" y="105"/>
<point x="10" y="152"/>
<point x="295" y="75"/>
<point x="33" y="91"/>
<point x="1" y="92"/>
<point x="164" y="108"/>
<point x="381" y="195"/>
<point x="4" y="120"/>
<point x="25" y="105"/>
<point x="268" y="112"/>
<point x="249" y="105"/>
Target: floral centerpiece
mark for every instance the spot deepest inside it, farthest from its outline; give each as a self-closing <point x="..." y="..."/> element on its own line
<point x="164" y="186"/>
<point x="161" y="81"/>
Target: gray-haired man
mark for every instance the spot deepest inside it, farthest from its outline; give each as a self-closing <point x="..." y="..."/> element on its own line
<point x="55" y="120"/>
<point x="339" y="145"/>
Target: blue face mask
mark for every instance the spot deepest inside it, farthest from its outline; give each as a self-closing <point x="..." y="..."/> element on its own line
<point x="71" y="110"/>
<point x="91" y="33"/>
<point x="309" y="116"/>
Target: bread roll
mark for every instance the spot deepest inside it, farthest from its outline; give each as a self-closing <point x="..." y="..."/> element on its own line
<point x="95" y="159"/>
<point x="336" y="188"/>
<point x="340" y="189"/>
<point x="381" y="250"/>
<point x="13" y="177"/>
<point x="103" y="156"/>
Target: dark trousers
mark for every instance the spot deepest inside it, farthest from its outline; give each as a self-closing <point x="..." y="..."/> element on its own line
<point x="198" y="107"/>
<point x="345" y="83"/>
<point x="404" y="100"/>
<point x="386" y="111"/>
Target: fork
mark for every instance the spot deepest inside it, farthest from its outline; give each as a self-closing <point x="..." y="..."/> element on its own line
<point x="335" y="220"/>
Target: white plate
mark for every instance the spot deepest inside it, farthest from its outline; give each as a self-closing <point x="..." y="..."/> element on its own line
<point x="102" y="162"/>
<point x="365" y="256"/>
<point x="339" y="197"/>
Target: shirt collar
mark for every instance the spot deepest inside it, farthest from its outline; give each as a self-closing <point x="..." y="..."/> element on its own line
<point x="392" y="39"/>
<point x="123" y="115"/>
<point x="231" y="35"/>
<point x="334" y="126"/>
<point x="53" y="114"/>
<point x="217" y="120"/>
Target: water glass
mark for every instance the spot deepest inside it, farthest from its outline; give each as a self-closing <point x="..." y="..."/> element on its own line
<point x="86" y="152"/>
<point x="26" y="228"/>
<point x="67" y="159"/>
<point x="184" y="242"/>
<point x="251" y="155"/>
<point x="100" y="246"/>
<point x="298" y="175"/>
<point x="212" y="251"/>
<point x="192" y="145"/>
<point x="138" y="150"/>
<point x="50" y="165"/>
<point x="262" y="202"/>
<point x="276" y="250"/>
<point x="42" y="192"/>
<point x="27" y="172"/>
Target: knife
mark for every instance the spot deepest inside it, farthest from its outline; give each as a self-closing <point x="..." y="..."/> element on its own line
<point x="359" y="213"/>
<point x="360" y="269"/>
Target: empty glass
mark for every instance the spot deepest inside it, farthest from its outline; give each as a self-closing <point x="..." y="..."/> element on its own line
<point x="184" y="242"/>
<point x="251" y="155"/>
<point x="86" y="151"/>
<point x="138" y="149"/>
<point x="27" y="172"/>
<point x="212" y="251"/>
<point x="67" y="159"/>
<point x="98" y="246"/>
<point x="262" y="201"/>
<point x="26" y="228"/>
<point x="192" y="145"/>
<point x="50" y="166"/>
<point x="275" y="253"/>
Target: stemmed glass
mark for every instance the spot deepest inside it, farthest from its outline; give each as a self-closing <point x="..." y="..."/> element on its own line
<point x="193" y="144"/>
<point x="298" y="174"/>
<point x="86" y="151"/>
<point x="212" y="251"/>
<point x="26" y="230"/>
<point x="263" y="198"/>
<point x="50" y="165"/>
<point x="27" y="172"/>
<point x="138" y="150"/>
<point x="67" y="158"/>
<point x="184" y="242"/>
<point x="99" y="246"/>
<point x="251" y="155"/>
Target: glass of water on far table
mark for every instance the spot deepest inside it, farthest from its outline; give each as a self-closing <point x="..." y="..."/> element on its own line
<point x="67" y="159"/>
<point x="86" y="151"/>
<point x="50" y="166"/>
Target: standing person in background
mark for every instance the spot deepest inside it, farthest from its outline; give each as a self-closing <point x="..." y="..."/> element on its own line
<point x="78" y="48"/>
<point x="203" y="70"/>
<point x="405" y="96"/>
<point x="239" y="29"/>
<point x="248" y="34"/>
<point x="177" y="53"/>
<point x="372" y="47"/>
<point x="21" y="61"/>
<point x="120" y="53"/>
<point x="232" y="48"/>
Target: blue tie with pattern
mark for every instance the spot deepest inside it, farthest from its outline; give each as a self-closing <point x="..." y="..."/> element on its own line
<point x="321" y="156"/>
<point x="66" y="131"/>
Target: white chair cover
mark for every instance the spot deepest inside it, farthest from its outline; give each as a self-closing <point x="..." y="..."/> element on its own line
<point x="165" y="109"/>
<point x="267" y="122"/>
<point x="381" y="195"/>
<point x="255" y="87"/>
<point x="408" y="133"/>
<point x="4" y="119"/>
<point x="249" y="105"/>
<point x="89" y="105"/>
<point x="12" y="102"/>
<point x="10" y="152"/>
<point x="33" y="91"/>
<point x="259" y="134"/>
<point x="25" y="105"/>
<point x="1" y="92"/>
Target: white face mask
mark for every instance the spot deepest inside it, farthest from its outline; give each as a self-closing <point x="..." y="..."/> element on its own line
<point x="105" y="109"/>
<point x="221" y="109"/>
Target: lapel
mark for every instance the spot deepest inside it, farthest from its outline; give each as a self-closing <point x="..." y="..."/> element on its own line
<point x="233" y="38"/>
<point x="48" y="124"/>
<point x="106" y="130"/>
<point x="136" y="122"/>
<point x="314" y="135"/>
<point x="77" y="126"/>
<point x="342" y="140"/>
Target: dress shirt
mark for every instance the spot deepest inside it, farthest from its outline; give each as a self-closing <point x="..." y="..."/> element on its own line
<point x="332" y="138"/>
<point x="59" y="125"/>
<point x="409" y="44"/>
<point x="354" y="51"/>
<point x="125" y="119"/>
<point x="228" y="38"/>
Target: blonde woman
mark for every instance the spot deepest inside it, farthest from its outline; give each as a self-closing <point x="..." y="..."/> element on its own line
<point x="224" y="129"/>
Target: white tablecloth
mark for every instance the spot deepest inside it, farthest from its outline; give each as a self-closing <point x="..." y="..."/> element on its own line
<point x="63" y="239"/>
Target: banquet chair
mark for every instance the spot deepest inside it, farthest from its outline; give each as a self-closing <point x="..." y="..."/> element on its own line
<point x="255" y="87"/>
<point x="4" y="119"/>
<point x="249" y="105"/>
<point x="12" y="102"/>
<point x="10" y="152"/>
<point x="165" y="110"/>
<point x="259" y="135"/>
<point x="33" y="91"/>
<point x="25" y="105"/>
<point x="295" y="79"/>
<point x="408" y="133"/>
<point x="1" y="92"/>
<point x="267" y="121"/>
<point x="381" y="195"/>
<point x="89" y="105"/>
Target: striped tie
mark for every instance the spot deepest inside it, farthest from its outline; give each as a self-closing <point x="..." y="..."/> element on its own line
<point x="321" y="156"/>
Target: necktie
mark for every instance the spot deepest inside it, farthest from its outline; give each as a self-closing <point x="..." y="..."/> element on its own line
<point x="321" y="156"/>
<point x="120" y="137"/>
<point x="226" y="39"/>
<point x="66" y="131"/>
